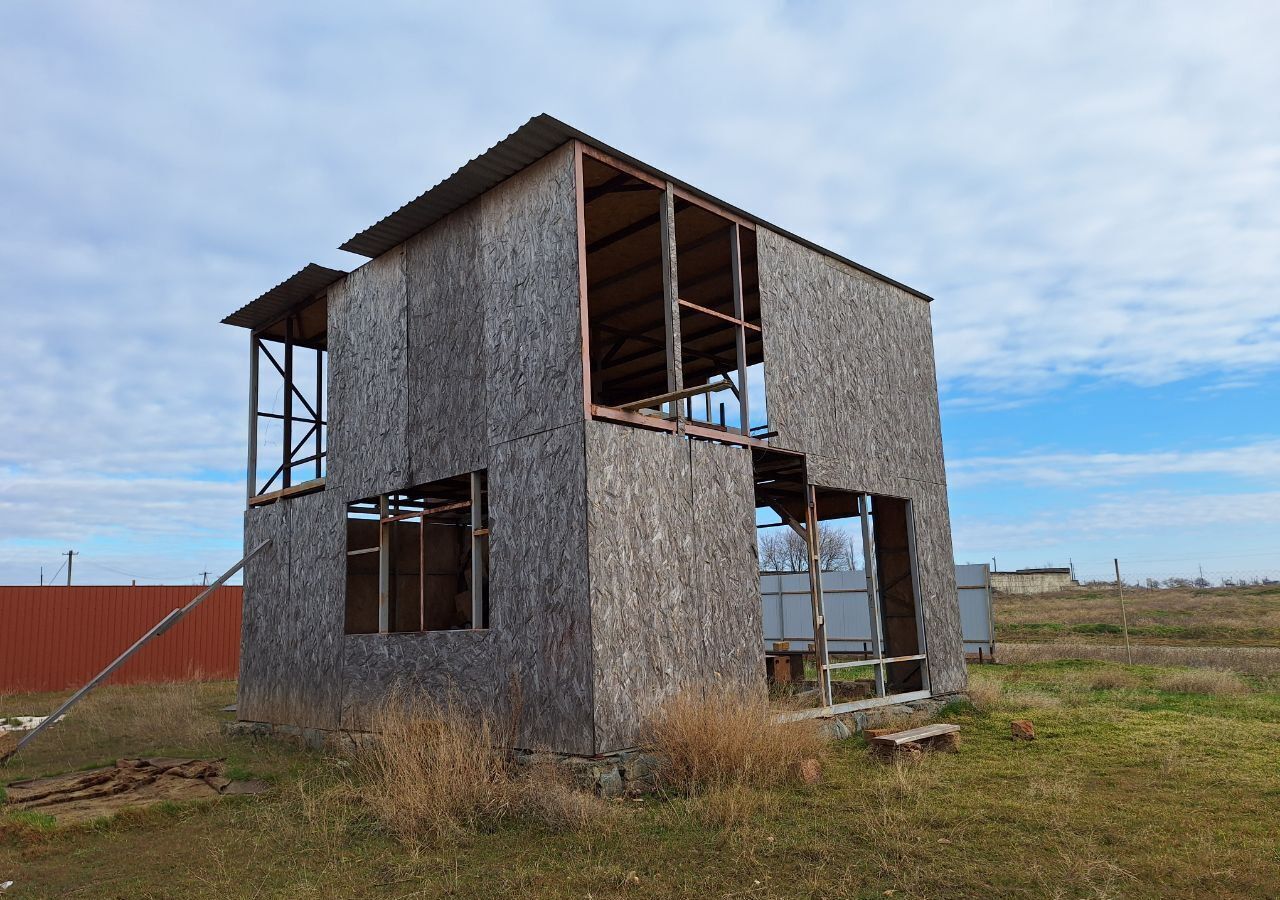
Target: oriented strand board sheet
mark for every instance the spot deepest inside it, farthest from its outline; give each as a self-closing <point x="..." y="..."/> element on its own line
<point x="724" y="566"/>
<point x="849" y="371"/>
<point x="290" y="662"/>
<point x="368" y="380"/>
<point x="448" y="398"/>
<point x="540" y="605"/>
<point x="533" y="335"/>
<point x="674" y="588"/>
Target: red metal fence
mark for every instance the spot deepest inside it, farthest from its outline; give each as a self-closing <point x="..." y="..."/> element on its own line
<point x="53" y="638"/>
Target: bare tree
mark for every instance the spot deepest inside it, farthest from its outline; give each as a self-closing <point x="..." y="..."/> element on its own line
<point x="782" y="550"/>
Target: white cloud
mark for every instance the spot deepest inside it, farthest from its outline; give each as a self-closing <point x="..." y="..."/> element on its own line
<point x="1258" y="461"/>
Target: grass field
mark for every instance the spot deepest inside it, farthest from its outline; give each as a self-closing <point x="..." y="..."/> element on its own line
<point x="1144" y="782"/>
<point x="1230" y="617"/>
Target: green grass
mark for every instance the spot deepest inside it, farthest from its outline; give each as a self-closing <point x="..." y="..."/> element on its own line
<point x="1128" y="791"/>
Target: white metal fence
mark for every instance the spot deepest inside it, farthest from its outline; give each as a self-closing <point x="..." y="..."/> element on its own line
<point x="788" y="614"/>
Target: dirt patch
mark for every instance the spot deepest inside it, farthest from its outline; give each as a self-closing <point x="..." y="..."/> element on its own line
<point x="130" y="783"/>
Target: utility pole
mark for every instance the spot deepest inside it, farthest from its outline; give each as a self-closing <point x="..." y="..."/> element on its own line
<point x="70" y="553"/>
<point x="1124" y="617"/>
<point x="42" y="576"/>
<point x="994" y="567"/>
<point x="204" y="578"/>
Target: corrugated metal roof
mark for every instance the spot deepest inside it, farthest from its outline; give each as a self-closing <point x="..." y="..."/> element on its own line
<point x="523" y="147"/>
<point x="302" y="285"/>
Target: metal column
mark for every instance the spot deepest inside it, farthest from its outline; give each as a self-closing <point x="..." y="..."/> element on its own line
<point x="821" y="659"/>
<point x="740" y="333"/>
<point x="873" y="591"/>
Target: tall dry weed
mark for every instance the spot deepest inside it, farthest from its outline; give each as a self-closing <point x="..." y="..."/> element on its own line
<point x="439" y="770"/>
<point x="710" y="743"/>
<point x="1214" y="682"/>
<point x="985" y="693"/>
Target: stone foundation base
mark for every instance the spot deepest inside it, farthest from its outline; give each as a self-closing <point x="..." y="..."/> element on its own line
<point x="625" y="772"/>
<point x="622" y="773"/>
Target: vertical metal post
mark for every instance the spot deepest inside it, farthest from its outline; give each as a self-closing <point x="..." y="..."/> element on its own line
<point x="287" y="444"/>
<point x="1124" y="616"/>
<point x="821" y="657"/>
<point x="251" y="476"/>
<point x="740" y="332"/>
<point x="671" y="295"/>
<point x="384" y="569"/>
<point x="70" y="555"/>
<point x="873" y="590"/>
<point x="922" y="645"/>
<point x="319" y="404"/>
<point x="477" y="562"/>
<point x="422" y="573"/>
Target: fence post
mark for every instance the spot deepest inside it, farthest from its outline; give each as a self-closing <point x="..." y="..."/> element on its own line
<point x="1124" y="618"/>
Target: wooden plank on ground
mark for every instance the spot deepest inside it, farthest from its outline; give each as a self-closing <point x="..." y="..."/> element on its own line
<point x="913" y="735"/>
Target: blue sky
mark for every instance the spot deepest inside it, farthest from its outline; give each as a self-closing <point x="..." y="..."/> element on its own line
<point x="1091" y="192"/>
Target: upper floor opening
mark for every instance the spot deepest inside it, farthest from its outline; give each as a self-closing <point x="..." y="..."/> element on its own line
<point x="672" y="330"/>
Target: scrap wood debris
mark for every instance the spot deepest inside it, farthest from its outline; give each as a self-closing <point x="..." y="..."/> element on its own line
<point x="82" y="796"/>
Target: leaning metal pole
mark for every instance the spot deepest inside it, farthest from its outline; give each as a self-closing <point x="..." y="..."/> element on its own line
<point x="160" y="628"/>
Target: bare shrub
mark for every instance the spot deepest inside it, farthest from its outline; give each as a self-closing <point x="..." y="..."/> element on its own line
<point x="1203" y="681"/>
<point x="706" y="743"/>
<point x="439" y="770"/>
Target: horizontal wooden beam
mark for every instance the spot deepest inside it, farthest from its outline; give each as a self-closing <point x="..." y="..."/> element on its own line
<point x="305" y="487"/>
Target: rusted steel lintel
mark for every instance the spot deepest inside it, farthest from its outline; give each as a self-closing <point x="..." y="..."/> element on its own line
<point x="692" y="429"/>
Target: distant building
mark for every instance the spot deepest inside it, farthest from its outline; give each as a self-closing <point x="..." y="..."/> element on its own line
<point x="1033" y="581"/>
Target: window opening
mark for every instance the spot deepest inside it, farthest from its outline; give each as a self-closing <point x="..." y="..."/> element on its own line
<point x="288" y="396"/>
<point x="672" y="308"/>
<point x="418" y="559"/>
<point x="840" y="594"/>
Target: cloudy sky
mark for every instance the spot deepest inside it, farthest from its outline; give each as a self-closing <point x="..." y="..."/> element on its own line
<point x="1091" y="192"/>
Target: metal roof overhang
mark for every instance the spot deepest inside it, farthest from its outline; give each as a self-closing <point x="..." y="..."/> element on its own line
<point x="518" y="150"/>
<point x="297" y="288"/>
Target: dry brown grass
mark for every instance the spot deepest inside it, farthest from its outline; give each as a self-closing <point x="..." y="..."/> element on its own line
<point x="439" y="770"/>
<point x="1226" y="616"/>
<point x="710" y="743"/>
<point x="1111" y="680"/>
<point x="122" y="720"/>
<point x="1203" y="681"/>
<point x="985" y="692"/>
<point x="1262" y="661"/>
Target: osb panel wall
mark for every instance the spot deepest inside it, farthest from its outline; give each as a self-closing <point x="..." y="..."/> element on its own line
<point x="448" y="399"/>
<point x="675" y="600"/>
<point x="534" y="661"/>
<point x="849" y="368"/>
<point x="266" y="595"/>
<point x="850" y="381"/>
<point x="540" y="605"/>
<point x="445" y="665"/>
<point x="291" y="664"/>
<point x="533" y="339"/>
<point x="725" y="567"/>
<point x="368" y="383"/>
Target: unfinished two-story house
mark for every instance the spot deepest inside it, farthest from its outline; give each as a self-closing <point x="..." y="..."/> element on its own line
<point x="522" y="455"/>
